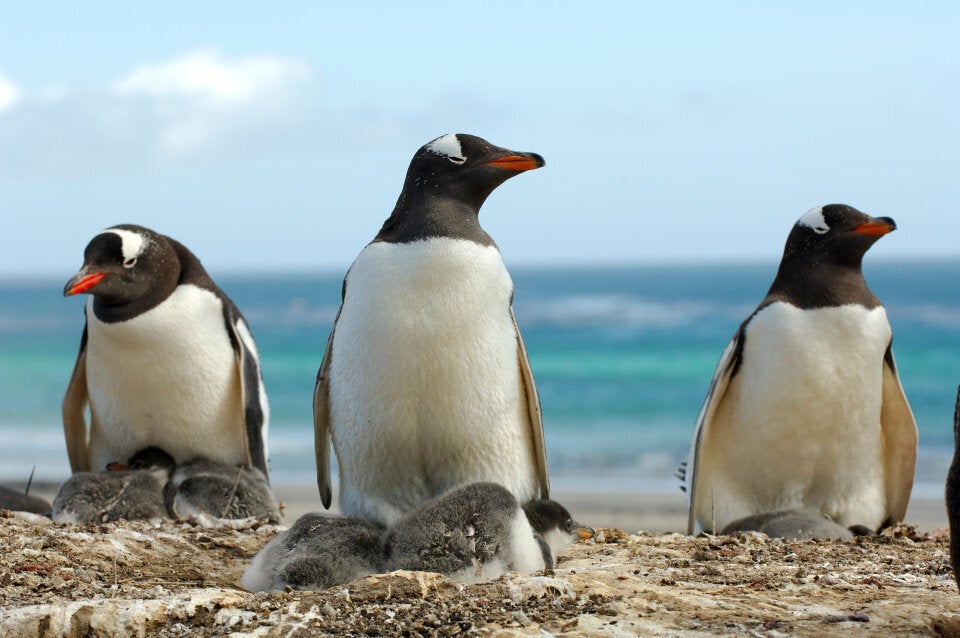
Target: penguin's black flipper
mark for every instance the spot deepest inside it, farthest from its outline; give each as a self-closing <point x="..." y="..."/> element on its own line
<point x="321" y="423"/>
<point x="535" y="415"/>
<point x="953" y="494"/>
<point x="74" y="408"/>
<point x="899" y="440"/>
<point x="726" y="368"/>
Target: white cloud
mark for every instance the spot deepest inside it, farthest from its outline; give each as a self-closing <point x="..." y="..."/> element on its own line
<point x="199" y="104"/>
<point x="195" y="102"/>
<point x="206" y="106"/>
<point x="9" y="94"/>
<point x="208" y="77"/>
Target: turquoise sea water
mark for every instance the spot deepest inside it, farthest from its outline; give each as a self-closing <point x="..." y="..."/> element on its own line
<point x="622" y="358"/>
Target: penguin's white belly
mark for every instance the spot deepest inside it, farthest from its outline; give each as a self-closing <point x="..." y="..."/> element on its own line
<point x="425" y="389"/>
<point x="799" y="426"/>
<point x="166" y="378"/>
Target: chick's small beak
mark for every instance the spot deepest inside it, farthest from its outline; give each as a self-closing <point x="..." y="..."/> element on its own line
<point x="515" y="162"/>
<point x="585" y="532"/>
<point x="82" y="282"/>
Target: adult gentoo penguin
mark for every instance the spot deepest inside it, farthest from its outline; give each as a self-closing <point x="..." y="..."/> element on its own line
<point x="806" y="410"/>
<point x="166" y="360"/>
<point x="425" y="383"/>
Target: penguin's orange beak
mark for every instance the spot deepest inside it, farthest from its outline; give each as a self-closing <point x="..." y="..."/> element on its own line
<point x="82" y="283"/>
<point x="877" y="228"/>
<point x="585" y="532"/>
<point x="518" y="162"/>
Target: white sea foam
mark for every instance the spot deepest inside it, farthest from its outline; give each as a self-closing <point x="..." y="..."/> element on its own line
<point x="621" y="311"/>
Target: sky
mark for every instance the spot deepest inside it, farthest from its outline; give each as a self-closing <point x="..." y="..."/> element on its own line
<point x="273" y="137"/>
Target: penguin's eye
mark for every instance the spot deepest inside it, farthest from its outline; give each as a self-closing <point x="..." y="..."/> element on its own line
<point x="568" y="524"/>
<point x="130" y="263"/>
<point x="457" y="160"/>
<point x="820" y="229"/>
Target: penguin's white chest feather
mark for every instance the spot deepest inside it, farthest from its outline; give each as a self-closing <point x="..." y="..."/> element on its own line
<point x="425" y="388"/>
<point x="799" y="425"/>
<point x="165" y="378"/>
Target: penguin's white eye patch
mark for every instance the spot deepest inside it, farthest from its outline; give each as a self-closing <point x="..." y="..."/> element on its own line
<point x="448" y="146"/>
<point x="132" y="244"/>
<point x="130" y="263"/>
<point x="814" y="219"/>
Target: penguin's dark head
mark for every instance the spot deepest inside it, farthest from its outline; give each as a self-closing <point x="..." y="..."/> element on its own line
<point x="126" y="264"/>
<point x="466" y="166"/>
<point x="553" y="522"/>
<point x="836" y="233"/>
<point x="447" y="183"/>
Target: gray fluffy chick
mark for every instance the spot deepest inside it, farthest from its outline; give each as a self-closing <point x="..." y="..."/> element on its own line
<point x="478" y="532"/>
<point x="16" y="500"/>
<point x="317" y="552"/>
<point x="221" y="491"/>
<point x="802" y="524"/>
<point x="134" y="492"/>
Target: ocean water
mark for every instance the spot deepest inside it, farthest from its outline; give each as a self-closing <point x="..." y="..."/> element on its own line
<point x="622" y="358"/>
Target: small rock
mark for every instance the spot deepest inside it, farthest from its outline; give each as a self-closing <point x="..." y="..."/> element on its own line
<point x="521" y="618"/>
<point x="857" y="616"/>
<point x="947" y="626"/>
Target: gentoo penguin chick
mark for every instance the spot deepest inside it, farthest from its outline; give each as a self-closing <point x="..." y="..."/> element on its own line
<point x="17" y="500"/>
<point x="317" y="552"/>
<point x="166" y="360"/>
<point x="134" y="492"/>
<point x="425" y="383"/>
<point x="806" y="410"/>
<point x="953" y="495"/>
<point x="478" y="532"/>
<point x="553" y="523"/>
<point x="222" y="491"/>
<point x="796" y="524"/>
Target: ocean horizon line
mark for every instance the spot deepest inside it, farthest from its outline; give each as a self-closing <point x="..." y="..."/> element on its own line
<point x="514" y="265"/>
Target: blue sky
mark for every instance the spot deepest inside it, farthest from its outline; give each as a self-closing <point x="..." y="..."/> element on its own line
<point x="276" y="138"/>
